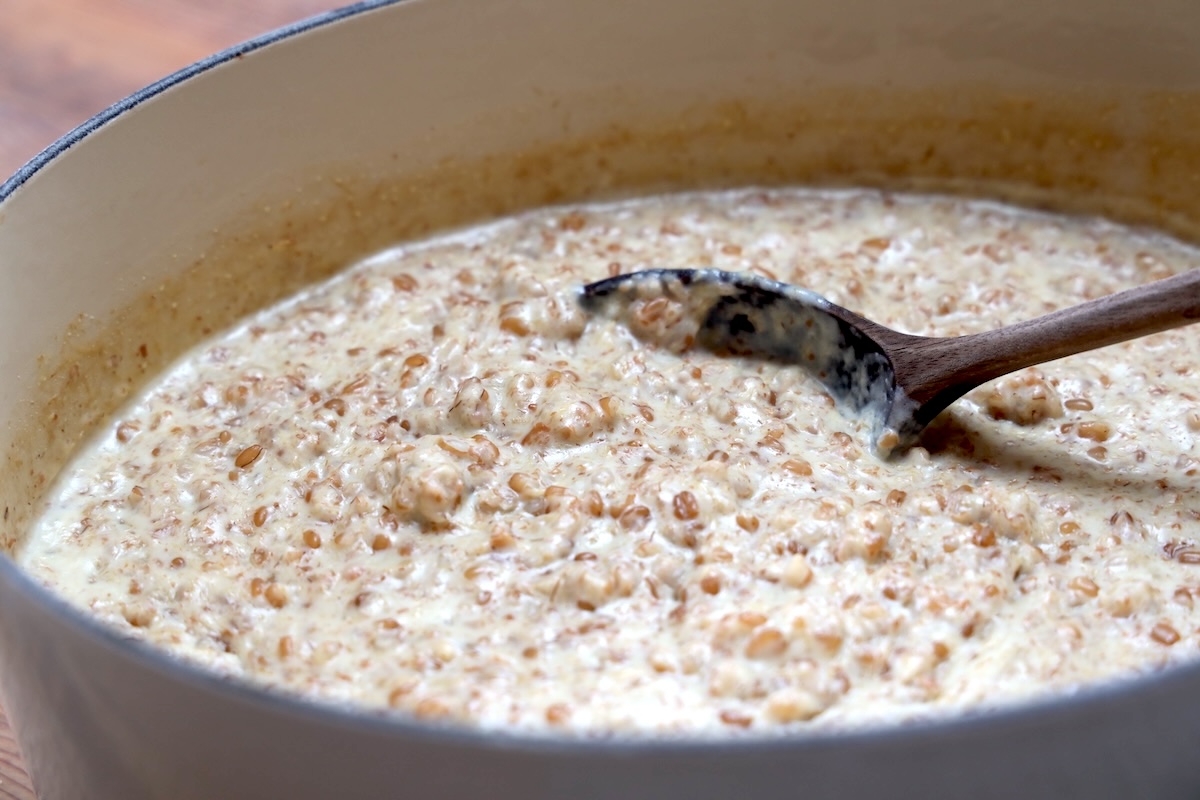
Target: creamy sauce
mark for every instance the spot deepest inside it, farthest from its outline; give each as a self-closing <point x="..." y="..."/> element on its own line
<point x="434" y="485"/>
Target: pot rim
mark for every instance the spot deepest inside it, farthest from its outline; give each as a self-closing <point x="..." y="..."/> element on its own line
<point x="1024" y="714"/>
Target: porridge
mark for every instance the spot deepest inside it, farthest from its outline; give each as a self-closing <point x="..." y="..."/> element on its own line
<point x="435" y="485"/>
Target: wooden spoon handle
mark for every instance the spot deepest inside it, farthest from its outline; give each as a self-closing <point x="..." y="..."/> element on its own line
<point x="976" y="358"/>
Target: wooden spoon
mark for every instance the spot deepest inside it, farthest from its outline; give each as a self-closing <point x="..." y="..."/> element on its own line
<point x="902" y="381"/>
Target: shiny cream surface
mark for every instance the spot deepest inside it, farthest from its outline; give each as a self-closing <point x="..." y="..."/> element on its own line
<point x="434" y="486"/>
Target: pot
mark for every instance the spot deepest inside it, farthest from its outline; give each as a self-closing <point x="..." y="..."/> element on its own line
<point x="269" y="166"/>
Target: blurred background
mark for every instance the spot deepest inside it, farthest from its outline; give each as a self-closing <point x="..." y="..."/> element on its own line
<point x="61" y="61"/>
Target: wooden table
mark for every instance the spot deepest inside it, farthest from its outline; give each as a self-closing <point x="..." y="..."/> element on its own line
<point x="62" y="61"/>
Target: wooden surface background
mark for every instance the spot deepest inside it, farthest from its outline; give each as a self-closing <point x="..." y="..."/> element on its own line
<point x="61" y="61"/>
